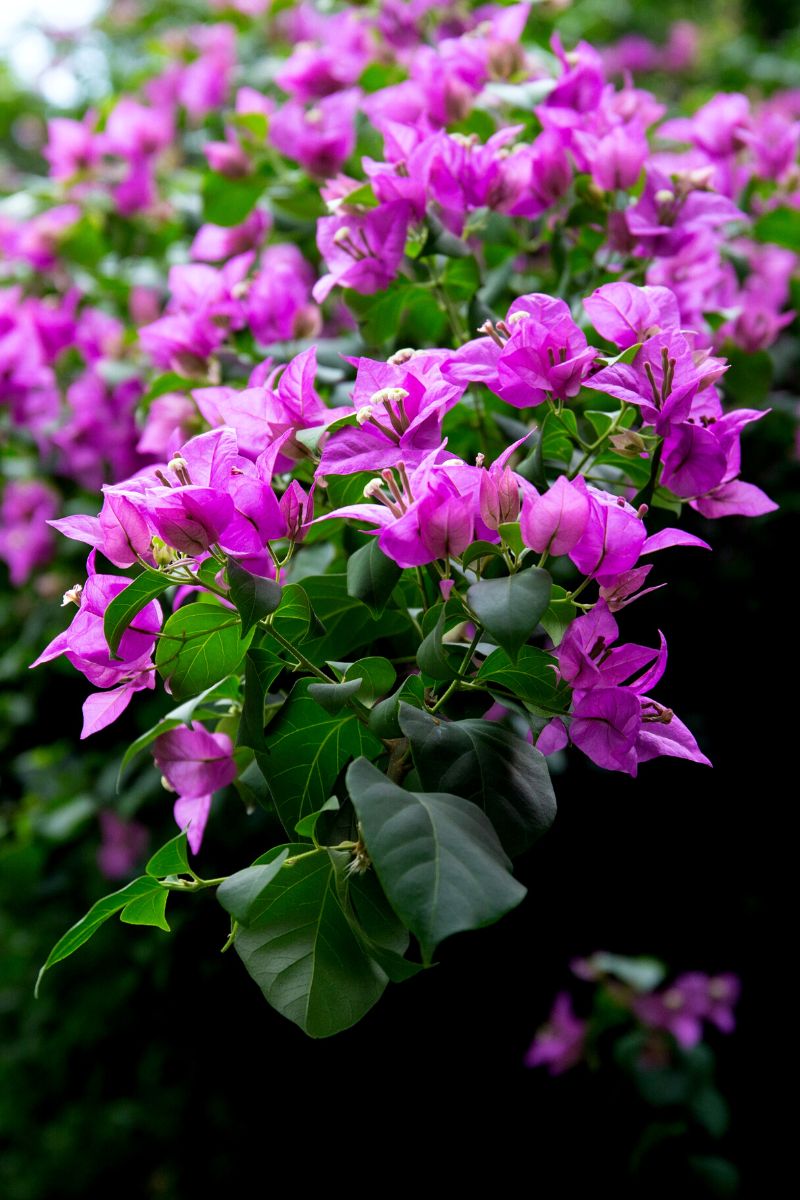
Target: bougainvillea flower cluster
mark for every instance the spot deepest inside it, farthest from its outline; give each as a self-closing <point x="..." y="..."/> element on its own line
<point x="412" y="348"/>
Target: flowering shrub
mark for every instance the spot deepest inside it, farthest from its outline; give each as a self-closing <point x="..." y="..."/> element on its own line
<point x="391" y="360"/>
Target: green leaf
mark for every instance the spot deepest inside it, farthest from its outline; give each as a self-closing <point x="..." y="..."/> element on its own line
<point x="437" y="856"/>
<point x="347" y="622"/>
<point x="479" y="550"/>
<point x="171" y="859"/>
<point x="242" y="894"/>
<point x="252" y="788"/>
<point x="557" y="617"/>
<point x="148" y="909"/>
<point x="333" y="697"/>
<point x="292" y="617"/>
<point x="304" y="750"/>
<point x="461" y="278"/>
<point x="625" y="356"/>
<point x="254" y="596"/>
<point x="255" y="124"/>
<point x="304" y="954"/>
<point x="781" y="227"/>
<point x="511" y="534"/>
<point x="169" y="382"/>
<point x="199" y="645"/>
<point x="384" y="718"/>
<point x="306" y="827"/>
<point x="377" y="677"/>
<point x="124" y="607"/>
<point x="382" y="934"/>
<point x="433" y="658"/>
<point x="371" y="576"/>
<point x="82" y="930"/>
<point x="489" y="765"/>
<point x="533" y="678"/>
<point x="363" y="196"/>
<point x="510" y="609"/>
<point x="226" y="689"/>
<point x="378" y="315"/>
<point x="261" y="668"/>
<point x="229" y="201"/>
<point x="312" y="437"/>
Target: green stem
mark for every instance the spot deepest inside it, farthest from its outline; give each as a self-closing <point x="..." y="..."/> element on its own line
<point x="289" y="862"/>
<point x="302" y="661"/>
<point x="575" y="437"/>
<point x="595" y="446"/>
<point x="459" y="680"/>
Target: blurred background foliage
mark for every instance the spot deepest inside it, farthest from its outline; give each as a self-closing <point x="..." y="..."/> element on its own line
<point x="151" y="1067"/>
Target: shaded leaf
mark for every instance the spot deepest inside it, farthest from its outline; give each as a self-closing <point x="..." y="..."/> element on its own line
<point x="488" y="764"/>
<point x="532" y="679"/>
<point x="304" y="954"/>
<point x="510" y="609"/>
<point x="371" y="576"/>
<point x="304" y="750"/>
<point x="437" y="856"/>
<point x="242" y="894"/>
<point x="254" y="596"/>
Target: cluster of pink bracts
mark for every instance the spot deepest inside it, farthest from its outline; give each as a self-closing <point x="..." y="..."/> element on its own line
<point x="667" y="197"/>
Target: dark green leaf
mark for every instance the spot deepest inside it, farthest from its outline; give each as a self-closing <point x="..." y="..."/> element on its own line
<point x="377" y="677"/>
<point x="488" y="764"/>
<point x="433" y="658"/>
<point x="304" y="954"/>
<point x="383" y="935"/>
<point x="199" y="645"/>
<point x="124" y="607"/>
<point x="261" y="668"/>
<point x="306" y="827"/>
<point x="252" y="788"/>
<point x="171" y="859"/>
<point x="371" y="576"/>
<point x="348" y="623"/>
<point x="243" y="894"/>
<point x="82" y="930"/>
<point x="510" y="609"/>
<point x="254" y="596"/>
<point x="533" y="678"/>
<point x="292" y="617"/>
<point x="305" y="748"/>
<point x="333" y="697"/>
<point x="437" y="856"/>
<point x="384" y="718"/>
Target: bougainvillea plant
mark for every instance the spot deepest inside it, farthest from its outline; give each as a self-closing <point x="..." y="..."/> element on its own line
<point x="395" y="358"/>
